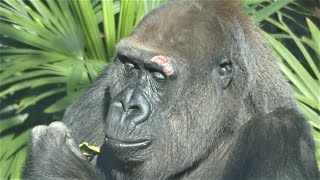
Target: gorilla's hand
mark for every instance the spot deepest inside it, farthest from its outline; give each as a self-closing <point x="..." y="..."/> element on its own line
<point x="54" y="154"/>
<point x="53" y="139"/>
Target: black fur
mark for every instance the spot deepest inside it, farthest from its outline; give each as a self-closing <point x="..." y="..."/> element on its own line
<point x="223" y="112"/>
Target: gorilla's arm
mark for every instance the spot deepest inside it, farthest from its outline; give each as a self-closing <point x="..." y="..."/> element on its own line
<point x="273" y="146"/>
<point x="54" y="154"/>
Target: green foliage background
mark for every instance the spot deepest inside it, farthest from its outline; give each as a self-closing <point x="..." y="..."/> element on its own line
<point x="51" y="50"/>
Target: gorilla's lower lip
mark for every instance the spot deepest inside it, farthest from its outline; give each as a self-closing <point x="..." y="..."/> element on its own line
<point x="128" y="144"/>
<point x="128" y="150"/>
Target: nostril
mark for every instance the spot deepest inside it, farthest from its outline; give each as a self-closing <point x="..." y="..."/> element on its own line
<point x="124" y="107"/>
<point x="134" y="107"/>
<point x="129" y="107"/>
<point x="132" y="113"/>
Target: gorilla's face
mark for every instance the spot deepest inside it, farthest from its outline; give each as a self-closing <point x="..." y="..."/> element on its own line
<point x="140" y="98"/>
<point x="155" y="109"/>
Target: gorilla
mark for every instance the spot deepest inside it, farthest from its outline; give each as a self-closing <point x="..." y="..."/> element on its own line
<point x="193" y="93"/>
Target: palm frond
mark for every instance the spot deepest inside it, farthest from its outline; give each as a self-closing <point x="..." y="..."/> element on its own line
<point x="306" y="87"/>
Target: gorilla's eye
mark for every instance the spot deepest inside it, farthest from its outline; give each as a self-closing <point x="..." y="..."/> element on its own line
<point x="158" y="75"/>
<point x="226" y="72"/>
<point x="224" y="68"/>
<point x="129" y="66"/>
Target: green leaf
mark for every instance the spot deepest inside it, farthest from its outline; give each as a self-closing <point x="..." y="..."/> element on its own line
<point x="109" y="28"/>
<point x="304" y="52"/>
<point x="62" y="103"/>
<point x="313" y="45"/>
<point x="296" y="80"/>
<point x="15" y="141"/>
<point x="27" y="75"/>
<point x="12" y="121"/>
<point x="311" y="116"/>
<point x="32" y="100"/>
<point x="249" y="2"/>
<point x="93" y="68"/>
<point x="315" y="33"/>
<point x="75" y="77"/>
<point x="89" y="23"/>
<point x="126" y="18"/>
<point x="270" y="9"/>
<point x="139" y="13"/>
<point x="22" y="65"/>
<point x="8" y="122"/>
<point x="46" y="29"/>
<point x="310" y="102"/>
<point x="150" y="5"/>
<point x="295" y="65"/>
<point x="18" y="164"/>
<point x="8" y="109"/>
<point x="32" y="84"/>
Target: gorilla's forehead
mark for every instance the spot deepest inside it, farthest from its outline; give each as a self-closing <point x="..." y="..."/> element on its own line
<point x="138" y="53"/>
<point x="186" y="30"/>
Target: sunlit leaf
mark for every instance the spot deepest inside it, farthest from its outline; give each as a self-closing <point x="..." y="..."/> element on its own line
<point x="62" y="103"/>
<point x="270" y="9"/>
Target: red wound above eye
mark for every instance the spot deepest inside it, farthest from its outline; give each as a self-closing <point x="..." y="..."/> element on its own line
<point x="161" y="60"/>
<point x="164" y="62"/>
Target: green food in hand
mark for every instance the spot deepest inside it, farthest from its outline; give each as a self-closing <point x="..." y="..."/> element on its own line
<point x="89" y="151"/>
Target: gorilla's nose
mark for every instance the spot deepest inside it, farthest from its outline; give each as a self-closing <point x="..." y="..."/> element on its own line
<point x="134" y="105"/>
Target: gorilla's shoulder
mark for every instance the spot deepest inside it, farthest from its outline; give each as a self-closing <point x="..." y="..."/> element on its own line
<point x="276" y="145"/>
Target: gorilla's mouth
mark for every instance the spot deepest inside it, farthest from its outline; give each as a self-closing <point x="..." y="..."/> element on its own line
<point x="128" y="150"/>
<point x="124" y="144"/>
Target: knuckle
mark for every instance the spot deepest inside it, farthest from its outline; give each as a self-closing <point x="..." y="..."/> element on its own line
<point x="58" y="125"/>
<point x="38" y="130"/>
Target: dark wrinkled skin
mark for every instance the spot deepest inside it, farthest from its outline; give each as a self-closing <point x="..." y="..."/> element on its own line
<point x="193" y="93"/>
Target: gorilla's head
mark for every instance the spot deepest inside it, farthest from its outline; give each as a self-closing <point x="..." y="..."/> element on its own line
<point x="180" y="85"/>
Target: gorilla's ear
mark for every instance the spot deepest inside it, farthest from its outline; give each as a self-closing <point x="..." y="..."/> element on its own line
<point x="226" y="72"/>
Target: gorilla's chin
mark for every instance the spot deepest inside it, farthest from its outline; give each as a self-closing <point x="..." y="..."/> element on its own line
<point x="128" y="150"/>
